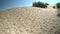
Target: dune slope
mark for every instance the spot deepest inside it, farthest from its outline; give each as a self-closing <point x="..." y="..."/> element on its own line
<point x="29" y="20"/>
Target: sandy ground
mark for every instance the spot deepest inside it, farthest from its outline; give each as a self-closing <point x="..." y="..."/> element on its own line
<point x="29" y="20"/>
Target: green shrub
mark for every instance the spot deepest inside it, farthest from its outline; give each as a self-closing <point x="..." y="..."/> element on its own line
<point x="40" y="4"/>
<point x="46" y="4"/>
<point x="58" y="5"/>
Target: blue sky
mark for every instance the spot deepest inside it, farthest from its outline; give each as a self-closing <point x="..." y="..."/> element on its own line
<point x="5" y="4"/>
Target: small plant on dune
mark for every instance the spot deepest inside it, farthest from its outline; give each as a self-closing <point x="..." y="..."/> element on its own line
<point x="58" y="5"/>
<point x="40" y="4"/>
<point x="54" y="7"/>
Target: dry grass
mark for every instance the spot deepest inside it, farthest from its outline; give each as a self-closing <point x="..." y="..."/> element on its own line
<point x="29" y="20"/>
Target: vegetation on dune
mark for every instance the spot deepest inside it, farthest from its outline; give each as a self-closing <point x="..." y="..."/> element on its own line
<point x="46" y="4"/>
<point x="58" y="5"/>
<point x="40" y="4"/>
<point x="53" y="6"/>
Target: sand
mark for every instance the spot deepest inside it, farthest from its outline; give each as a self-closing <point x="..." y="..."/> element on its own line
<point x="29" y="20"/>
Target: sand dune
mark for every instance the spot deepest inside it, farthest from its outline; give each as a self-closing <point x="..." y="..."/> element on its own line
<point x="29" y="20"/>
